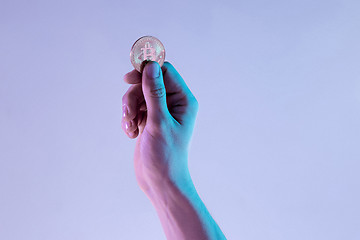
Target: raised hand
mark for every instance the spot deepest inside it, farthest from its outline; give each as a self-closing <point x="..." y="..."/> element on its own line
<point x="160" y="110"/>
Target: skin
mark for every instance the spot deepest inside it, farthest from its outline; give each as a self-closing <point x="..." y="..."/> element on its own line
<point x="160" y="111"/>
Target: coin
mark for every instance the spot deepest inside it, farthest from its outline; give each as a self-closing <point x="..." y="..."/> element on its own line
<point x="145" y="49"/>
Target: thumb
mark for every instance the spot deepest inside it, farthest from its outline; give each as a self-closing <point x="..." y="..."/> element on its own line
<point x="154" y="91"/>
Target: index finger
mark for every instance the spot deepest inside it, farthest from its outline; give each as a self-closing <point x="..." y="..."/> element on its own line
<point x="132" y="77"/>
<point x="173" y="81"/>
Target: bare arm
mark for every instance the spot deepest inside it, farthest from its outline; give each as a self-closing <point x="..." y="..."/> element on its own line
<point x="160" y="110"/>
<point x="182" y="213"/>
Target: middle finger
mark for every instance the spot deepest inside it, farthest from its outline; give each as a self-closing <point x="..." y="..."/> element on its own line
<point x="132" y="101"/>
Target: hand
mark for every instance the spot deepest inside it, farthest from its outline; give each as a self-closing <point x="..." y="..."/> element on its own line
<point x="160" y="109"/>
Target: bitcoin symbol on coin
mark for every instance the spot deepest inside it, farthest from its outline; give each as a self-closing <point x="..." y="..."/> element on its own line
<point x="149" y="52"/>
<point x="147" y="48"/>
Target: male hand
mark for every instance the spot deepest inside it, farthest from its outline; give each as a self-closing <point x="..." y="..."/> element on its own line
<point x="160" y="110"/>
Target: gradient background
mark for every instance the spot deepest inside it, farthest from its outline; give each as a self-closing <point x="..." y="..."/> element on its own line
<point x="276" y="148"/>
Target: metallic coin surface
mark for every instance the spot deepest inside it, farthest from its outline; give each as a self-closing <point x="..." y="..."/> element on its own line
<point x="147" y="48"/>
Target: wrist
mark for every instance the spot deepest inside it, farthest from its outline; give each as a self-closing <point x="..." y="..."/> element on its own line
<point x="168" y="172"/>
<point x="170" y="188"/>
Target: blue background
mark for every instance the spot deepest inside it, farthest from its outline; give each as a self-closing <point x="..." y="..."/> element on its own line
<point x="275" y="152"/>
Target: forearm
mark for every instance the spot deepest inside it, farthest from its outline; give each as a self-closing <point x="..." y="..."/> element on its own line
<point x="182" y="213"/>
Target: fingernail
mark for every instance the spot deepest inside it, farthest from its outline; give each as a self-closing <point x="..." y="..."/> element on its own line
<point x="153" y="70"/>
<point x="125" y="111"/>
<point x="131" y="134"/>
<point x="143" y="107"/>
<point x="128" y="125"/>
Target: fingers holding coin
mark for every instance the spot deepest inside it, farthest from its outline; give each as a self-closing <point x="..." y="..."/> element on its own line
<point x="145" y="49"/>
<point x="133" y="103"/>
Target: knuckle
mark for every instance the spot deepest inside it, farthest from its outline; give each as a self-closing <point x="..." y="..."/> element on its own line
<point x="125" y="97"/>
<point x="133" y="133"/>
<point x="193" y="103"/>
<point x="132" y="93"/>
<point x="157" y="92"/>
<point x="126" y="76"/>
<point x="123" y="125"/>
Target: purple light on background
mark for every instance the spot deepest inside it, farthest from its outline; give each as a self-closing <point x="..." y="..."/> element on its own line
<point x="275" y="152"/>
